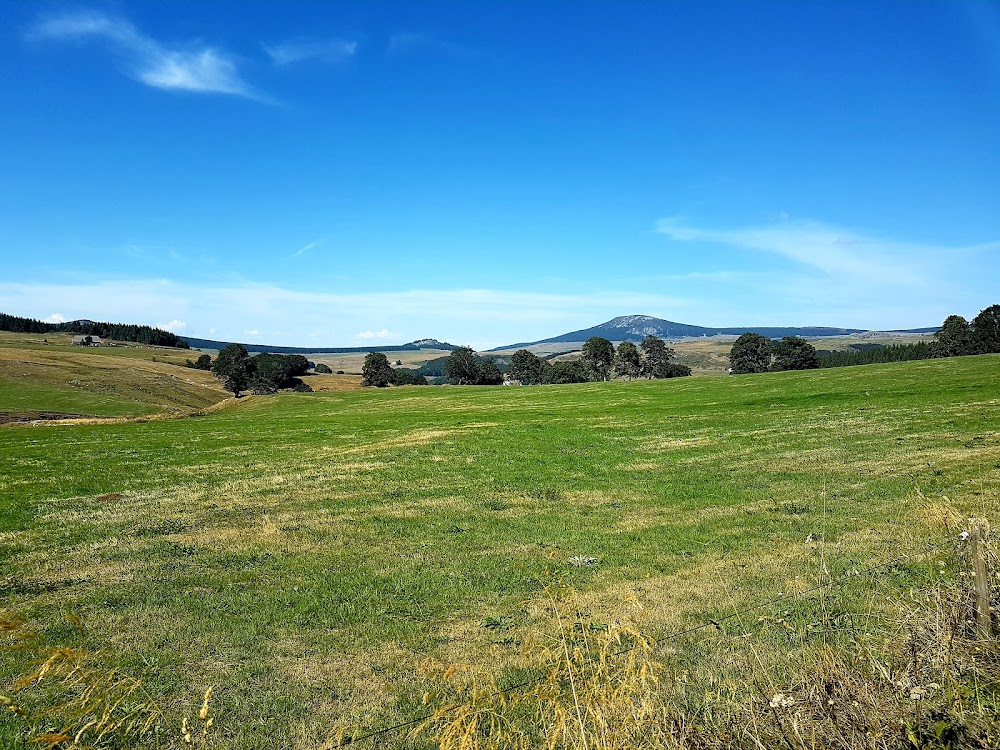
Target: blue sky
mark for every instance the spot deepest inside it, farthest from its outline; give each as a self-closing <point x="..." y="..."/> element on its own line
<point x="373" y="172"/>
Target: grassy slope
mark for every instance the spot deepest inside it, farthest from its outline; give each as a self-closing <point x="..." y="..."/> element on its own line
<point x="98" y="381"/>
<point x="305" y="553"/>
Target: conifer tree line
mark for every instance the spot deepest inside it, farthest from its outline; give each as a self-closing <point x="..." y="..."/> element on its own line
<point x="876" y="355"/>
<point x="958" y="337"/>
<point x="117" y="331"/>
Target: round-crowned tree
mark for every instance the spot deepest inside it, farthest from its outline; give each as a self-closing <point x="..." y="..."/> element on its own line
<point x="750" y="353"/>
<point x="376" y="371"/>
<point x="234" y="368"/>
<point x="656" y="356"/>
<point x="461" y="366"/>
<point x="954" y="339"/>
<point x="487" y="372"/>
<point x="986" y="331"/>
<point x="527" y="368"/>
<point x="627" y="363"/>
<point x="406" y="376"/>
<point x="794" y="353"/>
<point x="322" y="369"/>
<point x="598" y="354"/>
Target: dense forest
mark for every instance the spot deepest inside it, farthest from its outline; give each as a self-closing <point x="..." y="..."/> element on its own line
<point x="873" y="354"/>
<point x="117" y="331"/>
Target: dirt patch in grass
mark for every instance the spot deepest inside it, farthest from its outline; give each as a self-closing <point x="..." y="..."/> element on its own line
<point x="420" y="508"/>
<point x="31" y="416"/>
<point x="348" y="689"/>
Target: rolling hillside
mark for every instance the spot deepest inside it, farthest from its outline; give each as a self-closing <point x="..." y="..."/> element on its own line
<point x="41" y="380"/>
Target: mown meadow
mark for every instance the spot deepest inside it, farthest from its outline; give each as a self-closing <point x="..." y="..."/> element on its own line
<point x="319" y="559"/>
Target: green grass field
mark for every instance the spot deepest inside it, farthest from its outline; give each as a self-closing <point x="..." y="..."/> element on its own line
<point x="306" y="553"/>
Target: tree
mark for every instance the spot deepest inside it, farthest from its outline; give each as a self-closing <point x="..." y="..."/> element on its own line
<point x="655" y="357"/>
<point x="273" y="371"/>
<point x="487" y="372"/>
<point x="986" y="331"/>
<point x="461" y="366"/>
<point x="261" y="386"/>
<point x="627" y="362"/>
<point x="955" y="338"/>
<point x="233" y="368"/>
<point x="598" y="355"/>
<point x="527" y="368"/>
<point x="297" y="364"/>
<point x="405" y="376"/>
<point x="794" y="353"/>
<point x="322" y="369"/>
<point x="573" y="371"/>
<point x="204" y="362"/>
<point x="376" y="371"/>
<point x="675" y="370"/>
<point x="750" y="353"/>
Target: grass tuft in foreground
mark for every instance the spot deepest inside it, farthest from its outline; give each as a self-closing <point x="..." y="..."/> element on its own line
<point x="919" y="680"/>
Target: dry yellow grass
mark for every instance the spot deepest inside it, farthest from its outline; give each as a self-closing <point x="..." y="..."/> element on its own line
<point x="333" y="382"/>
<point x="919" y="679"/>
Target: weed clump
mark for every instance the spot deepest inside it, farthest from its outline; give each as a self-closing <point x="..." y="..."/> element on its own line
<point x="71" y="699"/>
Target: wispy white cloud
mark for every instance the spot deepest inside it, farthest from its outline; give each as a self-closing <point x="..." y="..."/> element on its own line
<point x="196" y="68"/>
<point x="385" y="333"/>
<point x="330" y="51"/>
<point x="306" y="248"/>
<point x="55" y="318"/>
<point x="832" y="250"/>
<point x="251" y="332"/>
<point x="409" y="42"/>
<point x="174" y="326"/>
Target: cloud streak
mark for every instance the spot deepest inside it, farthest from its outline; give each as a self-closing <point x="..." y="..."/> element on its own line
<point x="832" y="250"/>
<point x="196" y="68"/>
<point x="306" y="248"/>
<point x="413" y="42"/>
<point x="329" y="51"/>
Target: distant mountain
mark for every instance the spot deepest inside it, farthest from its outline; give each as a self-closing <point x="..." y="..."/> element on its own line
<point x="433" y="344"/>
<point x="637" y="327"/>
<point x="411" y="347"/>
